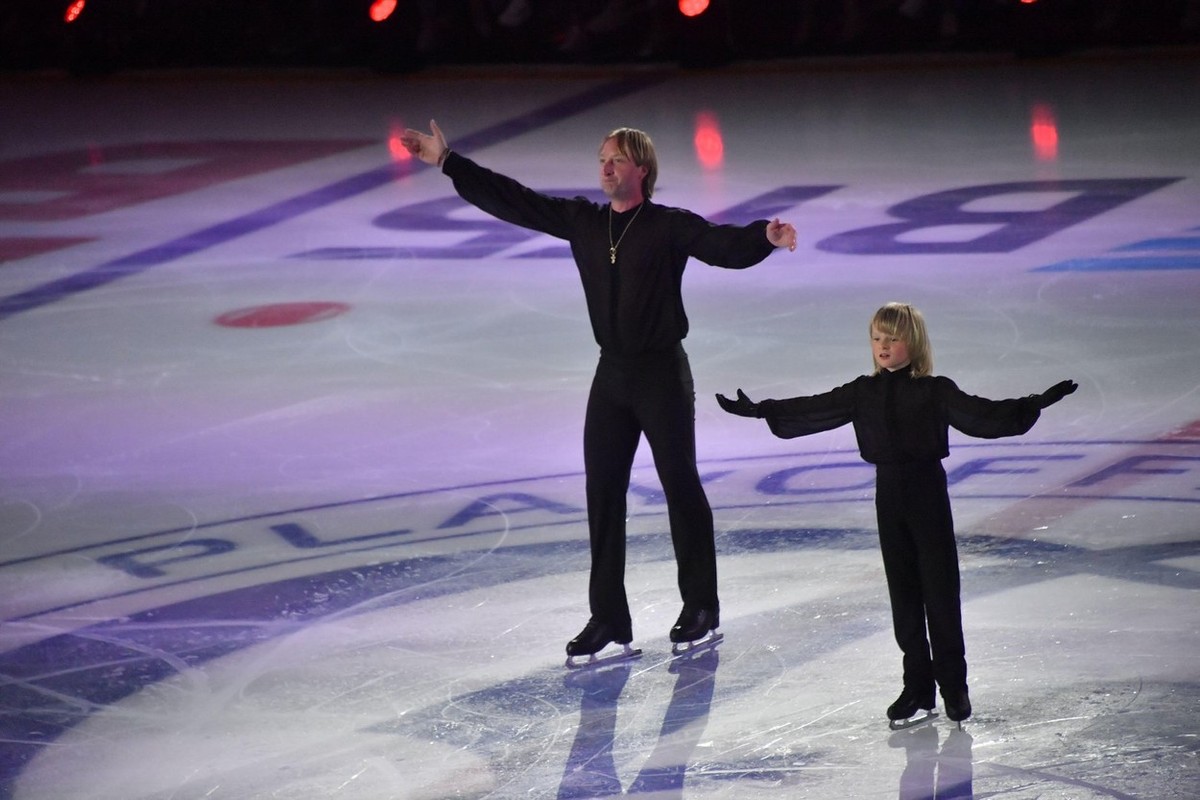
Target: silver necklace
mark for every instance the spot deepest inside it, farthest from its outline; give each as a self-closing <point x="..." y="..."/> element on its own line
<point x="612" y="248"/>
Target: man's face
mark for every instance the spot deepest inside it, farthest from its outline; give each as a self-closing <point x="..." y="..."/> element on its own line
<point x="620" y="178"/>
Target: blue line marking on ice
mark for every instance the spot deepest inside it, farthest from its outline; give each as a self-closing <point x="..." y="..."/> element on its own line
<point x="1129" y="264"/>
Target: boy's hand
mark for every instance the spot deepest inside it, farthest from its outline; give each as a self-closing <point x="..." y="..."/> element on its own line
<point x="1055" y="393"/>
<point x="743" y="406"/>
<point x="781" y="234"/>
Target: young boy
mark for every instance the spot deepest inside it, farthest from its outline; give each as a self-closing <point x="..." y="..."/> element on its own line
<point x="901" y="415"/>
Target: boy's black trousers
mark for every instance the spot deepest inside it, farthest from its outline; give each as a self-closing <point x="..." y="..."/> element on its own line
<point x="920" y="559"/>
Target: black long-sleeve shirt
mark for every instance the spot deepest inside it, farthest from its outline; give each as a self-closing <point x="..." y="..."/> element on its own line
<point x="900" y="419"/>
<point x="636" y="305"/>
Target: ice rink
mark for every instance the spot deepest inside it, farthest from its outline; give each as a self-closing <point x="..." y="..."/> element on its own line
<point x="291" y="501"/>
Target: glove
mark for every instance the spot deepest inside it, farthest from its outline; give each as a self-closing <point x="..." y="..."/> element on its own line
<point x="1055" y="393"/>
<point x="743" y="406"/>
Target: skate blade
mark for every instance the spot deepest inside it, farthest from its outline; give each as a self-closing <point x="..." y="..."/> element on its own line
<point x="596" y="660"/>
<point x="711" y="639"/>
<point x="920" y="718"/>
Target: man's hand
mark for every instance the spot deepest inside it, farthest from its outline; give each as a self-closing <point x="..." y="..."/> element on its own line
<point x="430" y="148"/>
<point x="781" y="234"/>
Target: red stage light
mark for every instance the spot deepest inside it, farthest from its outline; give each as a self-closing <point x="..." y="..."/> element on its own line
<point x="1043" y="130"/>
<point x="693" y="8"/>
<point x="382" y="9"/>
<point x="709" y="144"/>
<point x="73" y="11"/>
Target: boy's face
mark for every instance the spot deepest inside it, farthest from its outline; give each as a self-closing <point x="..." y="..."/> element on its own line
<point x="890" y="352"/>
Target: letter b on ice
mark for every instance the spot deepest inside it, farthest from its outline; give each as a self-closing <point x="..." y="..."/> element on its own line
<point x="996" y="230"/>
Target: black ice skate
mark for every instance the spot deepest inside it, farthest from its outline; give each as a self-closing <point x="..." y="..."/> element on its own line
<point x="696" y="628"/>
<point x="911" y="708"/>
<point x="584" y="650"/>
<point x="957" y="703"/>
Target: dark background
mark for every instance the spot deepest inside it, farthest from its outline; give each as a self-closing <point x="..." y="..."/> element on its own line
<point x="114" y="35"/>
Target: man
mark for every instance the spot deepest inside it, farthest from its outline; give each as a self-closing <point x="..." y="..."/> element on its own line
<point x="631" y="254"/>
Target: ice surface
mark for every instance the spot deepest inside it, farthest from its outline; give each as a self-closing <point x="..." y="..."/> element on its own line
<point x="342" y="558"/>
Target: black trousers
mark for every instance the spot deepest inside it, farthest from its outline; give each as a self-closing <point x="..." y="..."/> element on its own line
<point x="654" y="395"/>
<point x="920" y="559"/>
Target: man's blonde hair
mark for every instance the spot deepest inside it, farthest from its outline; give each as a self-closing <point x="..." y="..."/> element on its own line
<point x="907" y="324"/>
<point x="636" y="145"/>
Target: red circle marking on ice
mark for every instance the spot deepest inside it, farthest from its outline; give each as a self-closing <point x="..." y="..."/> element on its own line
<point x="281" y="314"/>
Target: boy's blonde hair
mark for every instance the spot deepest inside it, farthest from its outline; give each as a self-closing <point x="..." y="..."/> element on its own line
<point x="907" y="324"/>
<point x="640" y="150"/>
